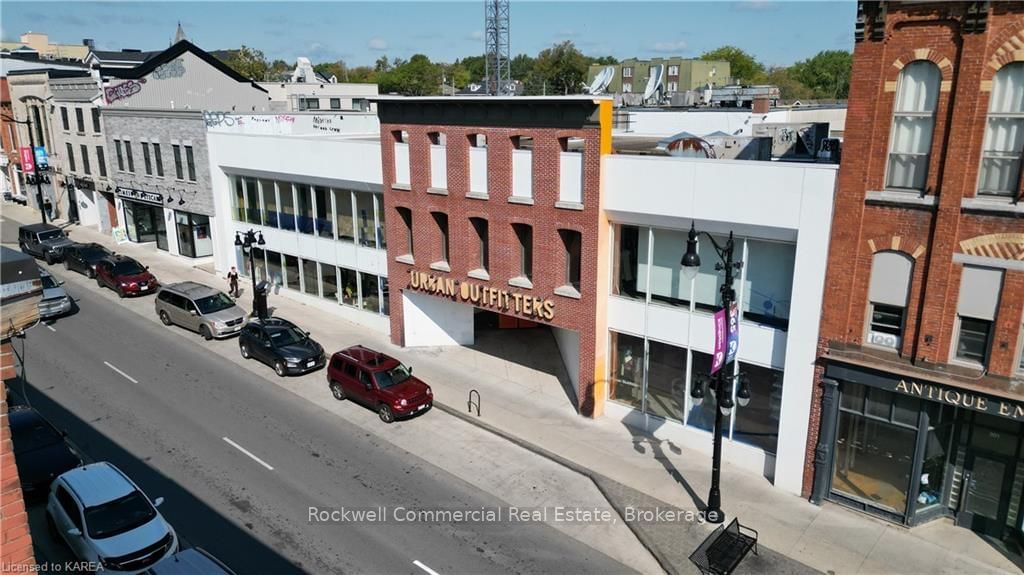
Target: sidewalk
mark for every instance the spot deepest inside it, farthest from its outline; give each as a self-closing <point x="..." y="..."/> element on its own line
<point x="632" y="468"/>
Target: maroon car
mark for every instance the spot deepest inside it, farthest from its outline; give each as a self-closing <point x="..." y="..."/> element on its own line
<point x="125" y="276"/>
<point x="379" y="382"/>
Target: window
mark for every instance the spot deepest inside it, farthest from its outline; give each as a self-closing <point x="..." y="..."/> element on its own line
<point x="673" y="70"/>
<point x="309" y="104"/>
<point x="524" y="235"/>
<point x="159" y="159"/>
<point x="269" y="191"/>
<point x="146" y="159"/>
<point x="406" y="215"/>
<point x="572" y="241"/>
<point x="69" y="506"/>
<point x="887" y="298"/>
<point x="673" y="86"/>
<point x="128" y="155"/>
<point x="757" y="423"/>
<point x="912" y="124"/>
<point x="85" y="159"/>
<point x="370" y="295"/>
<point x="382" y="237"/>
<point x="305" y="204"/>
<point x="349" y="282"/>
<point x="482" y="242"/>
<point x="627" y="381"/>
<point x="1004" y="133"/>
<point x="96" y="120"/>
<point x="335" y="103"/>
<point x="176" y="150"/>
<point x="252" y="202"/>
<point x="64" y="118"/>
<point x="627" y="72"/>
<point x="976" y="312"/>
<point x="120" y="158"/>
<point x="668" y="285"/>
<point x="364" y="220"/>
<point x="310" y="282"/>
<point x="442" y="227"/>
<point x="239" y="199"/>
<point x="101" y="161"/>
<point x="703" y="416"/>
<point x="287" y="199"/>
<point x="71" y="157"/>
<point x="291" y="272"/>
<point x="385" y="306"/>
<point x="666" y="380"/>
<point x="80" y="120"/>
<point x="324" y="218"/>
<point x="191" y="163"/>
<point x="328" y="282"/>
<point x="627" y="264"/>
<point x="343" y="215"/>
<point x="274" y="272"/>
<point x="769" y="281"/>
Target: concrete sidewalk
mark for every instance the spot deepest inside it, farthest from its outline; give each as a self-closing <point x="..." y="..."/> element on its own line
<point x="631" y="468"/>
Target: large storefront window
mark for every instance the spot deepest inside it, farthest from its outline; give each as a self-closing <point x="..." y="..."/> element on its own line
<point x="349" y="283"/>
<point x="343" y="215"/>
<point x="269" y="190"/>
<point x="757" y="423"/>
<point x="329" y="282"/>
<point x="627" y="381"/>
<point x="769" y="282"/>
<point x="194" y="238"/>
<point x="253" y="211"/>
<point x="666" y="380"/>
<point x="304" y="199"/>
<point x="324" y="215"/>
<point x="291" y="272"/>
<point x="703" y="416"/>
<point x="627" y="266"/>
<point x="238" y="198"/>
<point x="310" y="282"/>
<point x="668" y="285"/>
<point x="370" y="295"/>
<point x="141" y="220"/>
<point x="707" y="285"/>
<point x="365" y="220"/>
<point x="274" y="270"/>
<point x="286" y="196"/>
<point x="385" y="304"/>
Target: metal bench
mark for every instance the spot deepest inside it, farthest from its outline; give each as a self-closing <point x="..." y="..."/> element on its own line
<point x="724" y="549"/>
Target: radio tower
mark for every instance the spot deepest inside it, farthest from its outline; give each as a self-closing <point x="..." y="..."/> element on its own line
<point x="497" y="43"/>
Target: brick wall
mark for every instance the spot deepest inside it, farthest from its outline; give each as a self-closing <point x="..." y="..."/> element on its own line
<point x="549" y="258"/>
<point x="15" y="540"/>
<point x="930" y="235"/>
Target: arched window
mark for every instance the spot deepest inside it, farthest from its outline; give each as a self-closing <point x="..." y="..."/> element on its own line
<point x="912" y="125"/>
<point x="1004" y="134"/>
<point x="887" y="298"/>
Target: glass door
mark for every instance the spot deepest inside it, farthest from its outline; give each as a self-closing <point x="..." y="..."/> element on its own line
<point x="161" y="232"/>
<point x="988" y="475"/>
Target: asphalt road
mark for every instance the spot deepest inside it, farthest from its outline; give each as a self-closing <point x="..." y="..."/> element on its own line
<point x="176" y="418"/>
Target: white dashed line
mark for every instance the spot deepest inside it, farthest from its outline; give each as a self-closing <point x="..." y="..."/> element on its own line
<point x="424" y="567"/>
<point x="123" y="374"/>
<point x="247" y="452"/>
<point x="50" y="327"/>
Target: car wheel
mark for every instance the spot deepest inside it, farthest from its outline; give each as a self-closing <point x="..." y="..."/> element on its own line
<point x="91" y="273"/>
<point x="279" y="368"/>
<point x="164" y="318"/>
<point x="205" y="332"/>
<point x="337" y="391"/>
<point x="385" y="414"/>
<point x="49" y="258"/>
<point x="99" y="282"/>
<point x="245" y="351"/>
<point x="120" y="293"/>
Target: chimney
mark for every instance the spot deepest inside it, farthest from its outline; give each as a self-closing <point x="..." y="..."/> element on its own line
<point x="761" y="105"/>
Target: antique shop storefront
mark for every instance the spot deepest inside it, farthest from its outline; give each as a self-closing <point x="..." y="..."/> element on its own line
<point x="911" y="450"/>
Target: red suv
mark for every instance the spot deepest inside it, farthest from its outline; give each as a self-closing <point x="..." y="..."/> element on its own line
<point x="125" y="276"/>
<point x="379" y="382"/>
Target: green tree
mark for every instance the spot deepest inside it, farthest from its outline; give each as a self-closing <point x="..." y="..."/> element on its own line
<point x="416" y="77"/>
<point x="789" y="87"/>
<point x="561" y="69"/>
<point x="604" y="60"/>
<point x="743" y="67"/>
<point x="476" y="66"/>
<point x="248" y="62"/>
<point x="278" y="68"/>
<point x="381" y="65"/>
<point x="521" y="67"/>
<point x="827" y="73"/>
<point x="328" y="69"/>
<point x="362" y="75"/>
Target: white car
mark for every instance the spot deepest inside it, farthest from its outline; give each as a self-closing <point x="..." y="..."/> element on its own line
<point x="106" y="519"/>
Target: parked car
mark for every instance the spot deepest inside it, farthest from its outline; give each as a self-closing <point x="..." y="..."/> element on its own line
<point x="379" y="382"/>
<point x="83" y="258"/>
<point x="280" y="344"/>
<point x="39" y="451"/>
<point x="43" y="241"/>
<point x="192" y="561"/>
<point x="125" y="276"/>
<point x="199" y="308"/>
<point x="105" y="518"/>
<point x="56" y="301"/>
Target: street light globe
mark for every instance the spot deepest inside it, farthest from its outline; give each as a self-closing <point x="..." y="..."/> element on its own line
<point x="691" y="259"/>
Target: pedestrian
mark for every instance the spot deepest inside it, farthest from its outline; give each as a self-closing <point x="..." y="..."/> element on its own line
<point x="233" y="282"/>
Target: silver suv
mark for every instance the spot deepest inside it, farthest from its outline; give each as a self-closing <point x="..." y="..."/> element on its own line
<point x="199" y="308"/>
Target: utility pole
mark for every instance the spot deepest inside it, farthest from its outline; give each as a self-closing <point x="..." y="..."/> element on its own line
<point x="35" y="164"/>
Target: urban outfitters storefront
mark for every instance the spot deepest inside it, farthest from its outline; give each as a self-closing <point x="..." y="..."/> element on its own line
<point x="910" y="451"/>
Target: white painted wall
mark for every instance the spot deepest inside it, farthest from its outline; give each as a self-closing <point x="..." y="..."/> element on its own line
<point x="570" y="177"/>
<point x="569" y="347"/>
<point x="431" y="321"/>
<point x="522" y="173"/>
<point x="294" y="123"/>
<point x="439" y="167"/>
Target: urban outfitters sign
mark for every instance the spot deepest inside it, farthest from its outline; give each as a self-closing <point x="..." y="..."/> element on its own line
<point x="962" y="398"/>
<point x="482" y="295"/>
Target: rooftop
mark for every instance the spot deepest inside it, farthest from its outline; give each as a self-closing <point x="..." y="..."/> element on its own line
<point x="98" y="483"/>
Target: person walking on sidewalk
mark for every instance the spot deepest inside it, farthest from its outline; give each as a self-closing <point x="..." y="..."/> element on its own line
<point x="233" y="282"/>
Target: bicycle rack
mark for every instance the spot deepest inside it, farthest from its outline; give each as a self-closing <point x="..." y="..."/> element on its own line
<point x="471" y="403"/>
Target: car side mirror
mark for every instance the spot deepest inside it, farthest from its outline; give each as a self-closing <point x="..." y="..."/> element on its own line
<point x="60" y="283"/>
<point x="147" y="267"/>
<point x="75" y="532"/>
<point x="307" y="333"/>
<point x="410" y="370"/>
<point x="158" y="502"/>
<point x="193" y="312"/>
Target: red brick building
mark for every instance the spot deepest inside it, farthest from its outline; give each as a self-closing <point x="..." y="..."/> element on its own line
<point x="493" y="205"/>
<point x="919" y="401"/>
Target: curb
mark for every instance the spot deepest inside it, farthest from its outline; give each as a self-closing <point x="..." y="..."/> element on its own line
<point x="594" y="478"/>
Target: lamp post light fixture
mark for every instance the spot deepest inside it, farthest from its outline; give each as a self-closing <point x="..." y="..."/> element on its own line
<point x="720" y="385"/>
<point x="246" y="242"/>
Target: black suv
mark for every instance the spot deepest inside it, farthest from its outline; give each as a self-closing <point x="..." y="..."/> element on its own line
<point x="43" y="241"/>
<point x="83" y="258"/>
<point x="280" y="343"/>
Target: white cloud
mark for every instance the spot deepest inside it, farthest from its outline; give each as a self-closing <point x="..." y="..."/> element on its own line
<point x="378" y="44"/>
<point x="677" y="46"/>
<point x="475" y="36"/>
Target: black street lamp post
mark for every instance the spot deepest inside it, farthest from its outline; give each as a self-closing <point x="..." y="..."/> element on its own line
<point x="250" y="238"/>
<point x="720" y="385"/>
<point x="35" y="165"/>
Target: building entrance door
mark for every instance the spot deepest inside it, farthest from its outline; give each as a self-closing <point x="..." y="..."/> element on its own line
<point x="987" y="481"/>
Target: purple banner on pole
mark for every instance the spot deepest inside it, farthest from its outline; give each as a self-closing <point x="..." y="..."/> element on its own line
<point x="718" y="360"/>
<point x="733" y="343"/>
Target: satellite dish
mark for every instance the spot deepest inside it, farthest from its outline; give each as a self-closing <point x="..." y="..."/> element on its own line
<point x="602" y="79"/>
<point x="654" y="82"/>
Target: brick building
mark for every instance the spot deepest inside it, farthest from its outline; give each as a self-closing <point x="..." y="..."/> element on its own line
<point x="918" y="404"/>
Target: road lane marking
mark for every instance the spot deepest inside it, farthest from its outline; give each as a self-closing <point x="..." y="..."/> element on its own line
<point x="123" y="374"/>
<point x="247" y="452"/>
<point x="424" y="567"/>
<point x="50" y="327"/>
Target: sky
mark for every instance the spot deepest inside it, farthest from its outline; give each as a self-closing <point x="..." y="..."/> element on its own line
<point x="775" y="32"/>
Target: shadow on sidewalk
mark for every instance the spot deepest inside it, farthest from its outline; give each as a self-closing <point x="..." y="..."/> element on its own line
<point x="644" y="441"/>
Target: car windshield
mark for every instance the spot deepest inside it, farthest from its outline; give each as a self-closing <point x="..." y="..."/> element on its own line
<point x="119" y="515"/>
<point x="286" y="336"/>
<point x="128" y="268"/>
<point x="50" y="235"/>
<point x="214" y="303"/>
<point x="93" y="253"/>
<point x="48" y="282"/>
<point x="33" y="436"/>
<point x="393" y="376"/>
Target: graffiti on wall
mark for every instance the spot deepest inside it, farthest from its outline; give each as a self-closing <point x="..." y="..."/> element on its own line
<point x="330" y="124"/>
<point x="123" y="90"/>
<point x="173" y="69"/>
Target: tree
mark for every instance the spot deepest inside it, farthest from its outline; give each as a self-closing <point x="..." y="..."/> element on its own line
<point x="562" y="68"/>
<point x="604" y="60"/>
<point x="248" y="62"/>
<point x="743" y="67"/>
<point x="789" y="87"/>
<point x="337" y="69"/>
<point x="416" y="77"/>
<point x="362" y="75"/>
<point x="278" y="68"/>
<point x="476" y="66"/>
<point x="521" y="67"/>
<point x="827" y="73"/>
<point x="381" y="65"/>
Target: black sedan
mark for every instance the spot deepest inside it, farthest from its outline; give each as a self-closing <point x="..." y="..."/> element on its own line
<point x="281" y="344"/>
<point x="83" y="258"/>
<point x="39" y="451"/>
